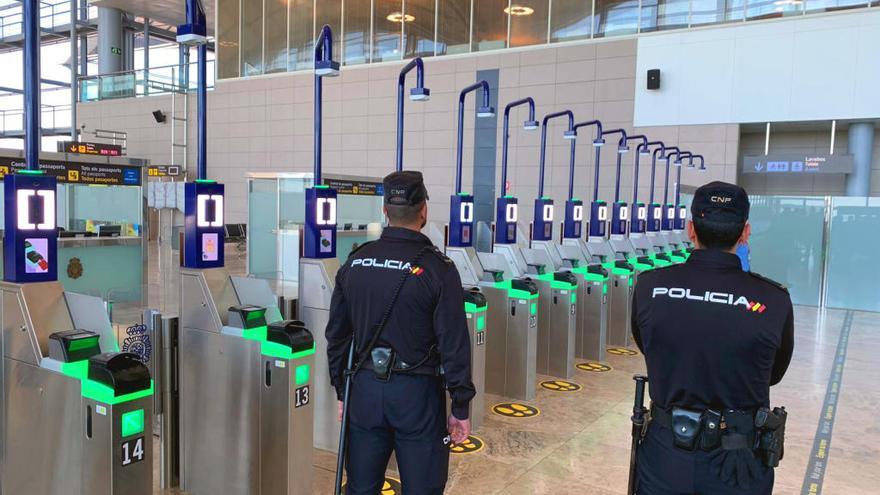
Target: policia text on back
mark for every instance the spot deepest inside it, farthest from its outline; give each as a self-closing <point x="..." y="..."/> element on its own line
<point x="715" y="339"/>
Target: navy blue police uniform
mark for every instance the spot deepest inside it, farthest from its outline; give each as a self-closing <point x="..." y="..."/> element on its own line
<point x="715" y="338"/>
<point x="427" y="331"/>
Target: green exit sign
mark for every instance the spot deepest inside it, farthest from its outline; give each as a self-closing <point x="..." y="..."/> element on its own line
<point x="115" y="50"/>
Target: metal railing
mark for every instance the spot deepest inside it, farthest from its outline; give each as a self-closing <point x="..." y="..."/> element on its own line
<point x="142" y="82"/>
<point x="52" y="17"/>
<point x="52" y="117"/>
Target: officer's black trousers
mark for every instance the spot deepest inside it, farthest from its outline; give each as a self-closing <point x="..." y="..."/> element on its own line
<point x="407" y="414"/>
<point x="667" y="470"/>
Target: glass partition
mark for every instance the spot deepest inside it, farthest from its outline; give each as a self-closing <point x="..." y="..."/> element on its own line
<point x="853" y="270"/>
<point x="276" y="212"/>
<point x="787" y="244"/>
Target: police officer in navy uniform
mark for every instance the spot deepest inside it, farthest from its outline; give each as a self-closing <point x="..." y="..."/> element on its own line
<point x="715" y="338"/>
<point x="426" y="335"/>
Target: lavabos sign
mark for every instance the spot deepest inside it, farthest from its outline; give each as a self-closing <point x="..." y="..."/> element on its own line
<point x="792" y="163"/>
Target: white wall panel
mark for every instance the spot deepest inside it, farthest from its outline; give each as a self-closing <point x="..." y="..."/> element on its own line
<point x="811" y="68"/>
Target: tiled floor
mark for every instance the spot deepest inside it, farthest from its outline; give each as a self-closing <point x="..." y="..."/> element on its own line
<point x="580" y="441"/>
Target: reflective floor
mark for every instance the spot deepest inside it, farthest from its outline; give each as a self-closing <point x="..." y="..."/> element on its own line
<point x="579" y="441"/>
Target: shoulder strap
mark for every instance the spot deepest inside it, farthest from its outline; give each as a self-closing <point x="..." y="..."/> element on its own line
<point x="363" y="353"/>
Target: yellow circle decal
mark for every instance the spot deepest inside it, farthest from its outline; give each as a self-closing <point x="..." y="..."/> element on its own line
<point x="561" y="386"/>
<point x="391" y="486"/>
<point x="594" y="367"/>
<point x="515" y="410"/>
<point x="622" y="351"/>
<point x="469" y="446"/>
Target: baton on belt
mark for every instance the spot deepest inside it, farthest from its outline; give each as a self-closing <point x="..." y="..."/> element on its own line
<point x="343" y="427"/>
<point x="638" y="424"/>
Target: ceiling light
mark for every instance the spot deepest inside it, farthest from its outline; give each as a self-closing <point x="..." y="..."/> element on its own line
<point x="400" y="17"/>
<point x="519" y="10"/>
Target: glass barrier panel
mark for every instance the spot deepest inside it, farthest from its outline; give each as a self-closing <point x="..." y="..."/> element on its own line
<point x="786" y="243"/>
<point x="853" y="270"/>
<point x="263" y="228"/>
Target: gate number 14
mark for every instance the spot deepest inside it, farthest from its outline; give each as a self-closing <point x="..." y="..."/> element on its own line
<point x="132" y="451"/>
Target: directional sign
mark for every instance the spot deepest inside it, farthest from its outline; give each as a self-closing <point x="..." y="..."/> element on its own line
<point x="792" y="163"/>
<point x="164" y="171"/>
<point x="82" y="148"/>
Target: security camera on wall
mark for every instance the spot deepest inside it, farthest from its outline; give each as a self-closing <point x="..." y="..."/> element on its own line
<point x="159" y="116"/>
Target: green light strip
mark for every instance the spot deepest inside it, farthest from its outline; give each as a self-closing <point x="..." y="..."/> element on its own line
<point x="473" y="308"/>
<point x="206" y="181"/>
<point x="274" y="349"/>
<point x="559" y="284"/>
<point x="30" y="172"/>
<point x="102" y="393"/>
<point x="321" y="186"/>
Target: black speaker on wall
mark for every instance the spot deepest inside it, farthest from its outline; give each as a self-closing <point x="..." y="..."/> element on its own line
<point x="653" y="78"/>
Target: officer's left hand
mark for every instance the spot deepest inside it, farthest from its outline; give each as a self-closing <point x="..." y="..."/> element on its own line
<point x="459" y="429"/>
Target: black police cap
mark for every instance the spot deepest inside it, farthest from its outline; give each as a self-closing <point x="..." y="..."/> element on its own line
<point x="721" y="202"/>
<point x="405" y="188"/>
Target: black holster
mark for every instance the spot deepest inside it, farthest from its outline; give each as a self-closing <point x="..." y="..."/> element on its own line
<point x="771" y="435"/>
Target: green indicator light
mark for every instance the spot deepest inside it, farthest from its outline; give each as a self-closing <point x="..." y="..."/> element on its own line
<point x="80" y="344"/>
<point x="102" y="393"/>
<point x="574" y="297"/>
<point x="301" y="375"/>
<point x="473" y="308"/>
<point x="508" y="196"/>
<point x="322" y="186"/>
<point x="76" y="369"/>
<point x="559" y="284"/>
<point x="31" y="172"/>
<point x="605" y="288"/>
<point x="533" y="309"/>
<point x="481" y="323"/>
<point x="545" y="198"/>
<point x="132" y="423"/>
<point x="206" y="181"/>
<point x="630" y="281"/>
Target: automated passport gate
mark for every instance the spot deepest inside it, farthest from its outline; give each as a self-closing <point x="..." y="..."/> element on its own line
<point x="74" y="408"/>
<point x="592" y="300"/>
<point x="557" y="315"/>
<point x="246" y="389"/>
<point x="475" y="308"/>
<point x="512" y="323"/>
<point x="557" y="307"/>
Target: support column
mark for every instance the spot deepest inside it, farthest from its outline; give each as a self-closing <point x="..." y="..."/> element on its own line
<point x="74" y="65"/>
<point x="861" y="147"/>
<point x="110" y="40"/>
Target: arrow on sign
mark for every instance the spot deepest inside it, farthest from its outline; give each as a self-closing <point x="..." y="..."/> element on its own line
<point x="759" y="167"/>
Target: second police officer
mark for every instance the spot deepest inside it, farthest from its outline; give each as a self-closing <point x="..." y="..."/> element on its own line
<point x="715" y="338"/>
<point x="402" y="301"/>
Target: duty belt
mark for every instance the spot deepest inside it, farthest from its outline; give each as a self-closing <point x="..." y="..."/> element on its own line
<point x="704" y="429"/>
<point x="401" y="366"/>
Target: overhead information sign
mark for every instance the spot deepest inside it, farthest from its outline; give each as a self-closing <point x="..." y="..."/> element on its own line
<point x="81" y="148"/>
<point x="355" y="187"/>
<point x="793" y="163"/>
<point x="80" y="173"/>
<point x="164" y="171"/>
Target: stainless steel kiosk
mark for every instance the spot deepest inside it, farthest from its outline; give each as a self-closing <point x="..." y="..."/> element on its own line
<point x="512" y="322"/>
<point x="76" y="412"/>
<point x="246" y="389"/>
